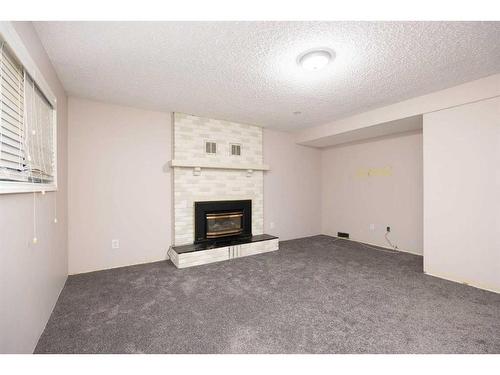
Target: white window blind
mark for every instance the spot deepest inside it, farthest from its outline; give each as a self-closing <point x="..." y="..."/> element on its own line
<point x="12" y="159"/>
<point x="27" y="131"/>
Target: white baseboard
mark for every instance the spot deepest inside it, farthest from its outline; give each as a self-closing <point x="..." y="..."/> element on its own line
<point x="466" y="282"/>
<point x="373" y="244"/>
<point x="119" y="266"/>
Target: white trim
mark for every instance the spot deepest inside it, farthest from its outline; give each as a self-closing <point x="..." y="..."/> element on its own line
<point x="465" y="282"/>
<point x="16" y="187"/>
<point x="373" y="244"/>
<point x="91" y="270"/>
<point x="16" y="45"/>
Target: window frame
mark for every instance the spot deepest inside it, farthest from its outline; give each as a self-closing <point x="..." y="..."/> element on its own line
<point x="9" y="35"/>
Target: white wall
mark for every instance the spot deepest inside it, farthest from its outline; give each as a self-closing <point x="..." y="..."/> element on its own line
<point x="292" y="188"/>
<point x="376" y="182"/>
<point x="462" y="193"/>
<point x="119" y="185"/>
<point x="32" y="276"/>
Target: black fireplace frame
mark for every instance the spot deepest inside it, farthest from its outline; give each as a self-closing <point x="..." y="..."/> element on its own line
<point x="203" y="208"/>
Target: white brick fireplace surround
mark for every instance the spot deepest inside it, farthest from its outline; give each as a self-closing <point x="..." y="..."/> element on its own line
<point x="203" y="176"/>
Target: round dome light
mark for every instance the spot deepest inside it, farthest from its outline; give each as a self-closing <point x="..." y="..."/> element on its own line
<point x="315" y="59"/>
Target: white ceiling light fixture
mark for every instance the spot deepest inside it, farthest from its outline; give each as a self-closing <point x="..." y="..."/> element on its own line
<point x="315" y="59"/>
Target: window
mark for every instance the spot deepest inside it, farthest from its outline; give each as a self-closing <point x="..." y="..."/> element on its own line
<point x="235" y="149"/>
<point x="27" y="129"/>
<point x="210" y="147"/>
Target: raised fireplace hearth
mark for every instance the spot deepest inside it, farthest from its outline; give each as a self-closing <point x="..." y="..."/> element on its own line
<point x="208" y="252"/>
<point x="222" y="221"/>
<point x="223" y="231"/>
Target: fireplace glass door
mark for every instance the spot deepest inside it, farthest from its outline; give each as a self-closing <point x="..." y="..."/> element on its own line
<point x="223" y="224"/>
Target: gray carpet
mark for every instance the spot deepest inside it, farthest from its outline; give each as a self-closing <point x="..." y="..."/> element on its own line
<point x="314" y="295"/>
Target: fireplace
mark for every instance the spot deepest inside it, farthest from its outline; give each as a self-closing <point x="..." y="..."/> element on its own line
<point x="219" y="221"/>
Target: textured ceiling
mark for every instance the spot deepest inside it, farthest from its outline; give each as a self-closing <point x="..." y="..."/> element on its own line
<point x="247" y="71"/>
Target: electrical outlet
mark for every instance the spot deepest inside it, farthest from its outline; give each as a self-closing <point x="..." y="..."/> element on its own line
<point x="115" y="244"/>
<point x="372" y="226"/>
<point x="271" y="225"/>
<point x="388" y="229"/>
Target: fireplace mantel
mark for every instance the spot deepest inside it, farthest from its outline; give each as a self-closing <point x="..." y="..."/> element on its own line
<point x="217" y="165"/>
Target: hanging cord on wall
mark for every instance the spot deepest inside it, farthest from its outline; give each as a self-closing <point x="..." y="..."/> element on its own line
<point x="36" y="132"/>
<point x="371" y="247"/>
<point x="379" y="249"/>
<point x="395" y="247"/>
<point x="39" y="135"/>
<point x="29" y="159"/>
<point x="35" y="239"/>
<point x="55" y="207"/>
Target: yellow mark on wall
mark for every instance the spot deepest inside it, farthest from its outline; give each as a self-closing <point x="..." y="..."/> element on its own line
<point x="374" y="172"/>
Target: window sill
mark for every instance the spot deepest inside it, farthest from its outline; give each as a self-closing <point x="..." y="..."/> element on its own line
<point x="14" y="187"/>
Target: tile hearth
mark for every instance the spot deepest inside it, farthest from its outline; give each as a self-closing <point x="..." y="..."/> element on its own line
<point x="204" y="253"/>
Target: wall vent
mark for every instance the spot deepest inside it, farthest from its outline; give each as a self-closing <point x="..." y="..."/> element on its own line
<point x="235" y="149"/>
<point x="342" y="235"/>
<point x="210" y="147"/>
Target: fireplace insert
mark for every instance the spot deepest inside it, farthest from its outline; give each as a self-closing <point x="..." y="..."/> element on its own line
<point x="219" y="221"/>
